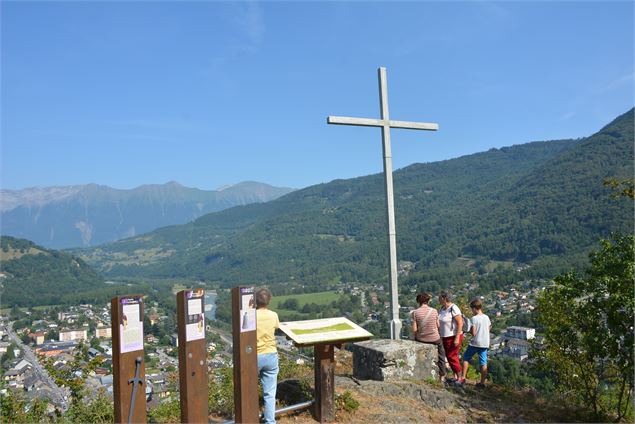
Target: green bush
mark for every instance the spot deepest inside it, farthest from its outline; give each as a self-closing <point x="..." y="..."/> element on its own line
<point x="221" y="392"/>
<point x="166" y="412"/>
<point x="98" y="410"/>
<point x="346" y="402"/>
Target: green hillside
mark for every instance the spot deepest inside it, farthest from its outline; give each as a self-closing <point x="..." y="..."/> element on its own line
<point x="32" y="275"/>
<point x="540" y="203"/>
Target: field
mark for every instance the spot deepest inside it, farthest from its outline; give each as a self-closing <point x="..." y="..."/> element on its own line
<point x="7" y="311"/>
<point x="321" y="298"/>
<point x="495" y="265"/>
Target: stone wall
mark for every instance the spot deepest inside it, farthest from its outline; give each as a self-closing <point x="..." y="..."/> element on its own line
<point x="394" y="360"/>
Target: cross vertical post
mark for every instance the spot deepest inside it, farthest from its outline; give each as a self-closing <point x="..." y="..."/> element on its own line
<point x="385" y="123"/>
<point x="395" y="323"/>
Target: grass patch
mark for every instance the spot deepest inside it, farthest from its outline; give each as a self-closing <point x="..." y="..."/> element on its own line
<point x="321" y="298"/>
<point x="6" y="311"/>
<point x="494" y="265"/>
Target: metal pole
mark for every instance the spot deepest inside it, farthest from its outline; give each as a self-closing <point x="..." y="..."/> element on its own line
<point x="395" y="323"/>
<point x="290" y="408"/>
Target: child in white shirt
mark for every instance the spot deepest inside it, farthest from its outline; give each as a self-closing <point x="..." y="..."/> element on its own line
<point x="479" y="344"/>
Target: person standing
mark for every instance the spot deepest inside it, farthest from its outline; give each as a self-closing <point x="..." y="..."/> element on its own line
<point x="425" y="328"/>
<point x="450" y="329"/>
<point x="266" y="324"/>
<point x="481" y="326"/>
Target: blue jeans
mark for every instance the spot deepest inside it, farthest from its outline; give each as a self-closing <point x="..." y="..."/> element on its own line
<point x="268" y="373"/>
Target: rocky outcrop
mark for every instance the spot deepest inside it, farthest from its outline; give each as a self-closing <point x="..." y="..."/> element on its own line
<point x="434" y="397"/>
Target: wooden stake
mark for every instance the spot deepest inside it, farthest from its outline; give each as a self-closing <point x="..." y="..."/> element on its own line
<point x="127" y="346"/>
<point x="193" y="382"/>
<point x="245" y="354"/>
<point x="324" y="370"/>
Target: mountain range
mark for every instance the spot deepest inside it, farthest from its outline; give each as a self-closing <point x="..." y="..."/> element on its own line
<point x="540" y="206"/>
<point x="88" y="215"/>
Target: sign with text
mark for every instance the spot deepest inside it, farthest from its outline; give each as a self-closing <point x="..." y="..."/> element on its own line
<point x="128" y="365"/>
<point x="130" y="324"/>
<point x="195" y="324"/>
<point x="193" y="382"/>
<point x="247" y="309"/>
<point x="245" y="355"/>
<point x="326" y="330"/>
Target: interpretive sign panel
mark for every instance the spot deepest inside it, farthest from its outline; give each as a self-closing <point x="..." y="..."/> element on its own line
<point x="131" y="324"/>
<point x="247" y="309"/>
<point x="195" y="326"/>
<point x="326" y="330"/>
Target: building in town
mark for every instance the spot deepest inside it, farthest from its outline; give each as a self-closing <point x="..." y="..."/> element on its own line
<point x="72" y="335"/>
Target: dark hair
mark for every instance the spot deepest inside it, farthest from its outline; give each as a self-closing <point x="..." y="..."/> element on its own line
<point x="476" y="304"/>
<point x="423" y="298"/>
<point x="263" y="297"/>
<point x="445" y="295"/>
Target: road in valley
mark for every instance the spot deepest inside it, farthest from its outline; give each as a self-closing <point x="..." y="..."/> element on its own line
<point x="58" y="395"/>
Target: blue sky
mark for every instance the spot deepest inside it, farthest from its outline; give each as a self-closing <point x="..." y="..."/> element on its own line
<point x="213" y="93"/>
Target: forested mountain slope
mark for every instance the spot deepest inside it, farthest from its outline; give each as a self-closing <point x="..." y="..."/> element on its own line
<point x="521" y="203"/>
<point x="32" y="275"/>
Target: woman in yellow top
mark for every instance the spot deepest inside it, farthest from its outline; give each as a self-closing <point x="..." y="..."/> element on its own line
<point x="266" y="324"/>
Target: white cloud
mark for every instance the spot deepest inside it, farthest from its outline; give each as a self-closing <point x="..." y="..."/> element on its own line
<point x="249" y="23"/>
<point x="618" y="82"/>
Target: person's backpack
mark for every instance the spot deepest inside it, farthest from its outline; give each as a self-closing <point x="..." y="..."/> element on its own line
<point x="467" y="323"/>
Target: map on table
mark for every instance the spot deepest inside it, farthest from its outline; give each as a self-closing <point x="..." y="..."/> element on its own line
<point x="323" y="331"/>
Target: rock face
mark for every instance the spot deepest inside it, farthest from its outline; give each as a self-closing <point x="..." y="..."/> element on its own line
<point x="431" y="396"/>
<point x="394" y="360"/>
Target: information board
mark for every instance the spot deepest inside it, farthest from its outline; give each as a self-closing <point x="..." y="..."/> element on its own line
<point x="324" y="330"/>
<point x="247" y="309"/>
<point x="195" y="324"/>
<point x="130" y="324"/>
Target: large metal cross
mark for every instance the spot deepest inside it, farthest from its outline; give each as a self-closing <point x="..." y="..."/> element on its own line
<point x="386" y="123"/>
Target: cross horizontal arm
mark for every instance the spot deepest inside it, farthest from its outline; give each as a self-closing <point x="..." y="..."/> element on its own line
<point x="369" y="122"/>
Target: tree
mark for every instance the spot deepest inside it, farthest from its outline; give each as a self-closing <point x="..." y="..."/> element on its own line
<point x="588" y="324"/>
<point x="8" y="356"/>
<point x="291" y="304"/>
<point x="53" y="334"/>
<point x="15" y="408"/>
<point x="97" y="410"/>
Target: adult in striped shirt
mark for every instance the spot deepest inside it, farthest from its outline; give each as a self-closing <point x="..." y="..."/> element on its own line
<point x="425" y="328"/>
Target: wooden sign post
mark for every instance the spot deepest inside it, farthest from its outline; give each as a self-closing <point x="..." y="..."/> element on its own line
<point x="245" y="354"/>
<point x="193" y="383"/>
<point x="324" y="335"/>
<point x="128" y="367"/>
<point x="324" y="372"/>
